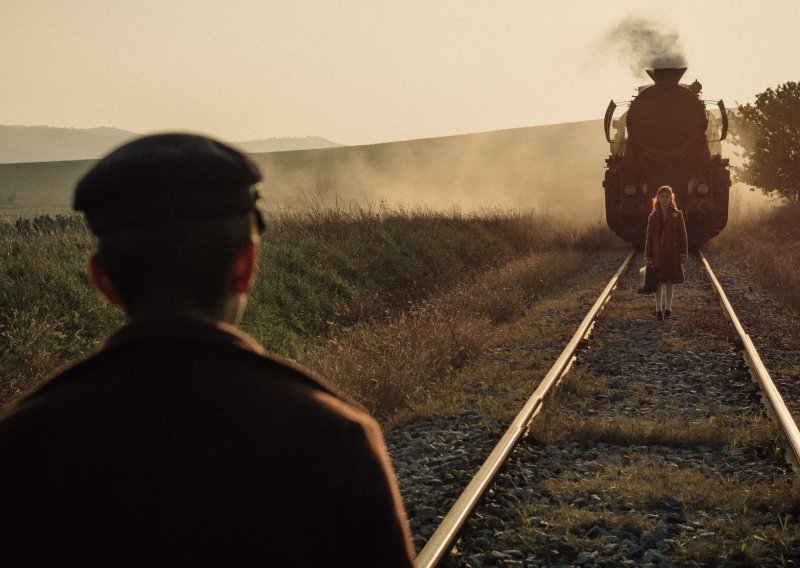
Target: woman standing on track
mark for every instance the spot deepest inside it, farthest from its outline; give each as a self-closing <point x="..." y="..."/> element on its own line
<point x="666" y="247"/>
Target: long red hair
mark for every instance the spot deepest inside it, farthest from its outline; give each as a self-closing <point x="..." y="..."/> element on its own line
<point x="664" y="189"/>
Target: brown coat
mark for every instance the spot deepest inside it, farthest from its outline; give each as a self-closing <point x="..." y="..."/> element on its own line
<point x="184" y="444"/>
<point x="665" y="248"/>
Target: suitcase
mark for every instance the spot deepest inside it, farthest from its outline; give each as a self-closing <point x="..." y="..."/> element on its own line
<point x="647" y="280"/>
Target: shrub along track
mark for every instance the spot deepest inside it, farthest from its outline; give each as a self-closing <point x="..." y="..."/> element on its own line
<point x="655" y="451"/>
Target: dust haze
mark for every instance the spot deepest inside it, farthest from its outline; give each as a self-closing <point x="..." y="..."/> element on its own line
<point x="556" y="170"/>
<point x="641" y="45"/>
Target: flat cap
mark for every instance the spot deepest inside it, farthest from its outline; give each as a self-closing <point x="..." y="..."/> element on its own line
<point x="166" y="177"/>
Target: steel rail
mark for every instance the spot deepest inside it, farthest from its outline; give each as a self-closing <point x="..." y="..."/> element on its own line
<point x="443" y="538"/>
<point x="758" y="371"/>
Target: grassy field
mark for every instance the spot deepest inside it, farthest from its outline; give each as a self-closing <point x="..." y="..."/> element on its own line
<point x="383" y="301"/>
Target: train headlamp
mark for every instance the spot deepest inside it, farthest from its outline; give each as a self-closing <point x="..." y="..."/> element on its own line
<point x="630" y="190"/>
<point x="702" y="188"/>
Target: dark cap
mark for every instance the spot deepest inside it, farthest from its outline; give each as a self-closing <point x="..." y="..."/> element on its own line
<point x="166" y="177"/>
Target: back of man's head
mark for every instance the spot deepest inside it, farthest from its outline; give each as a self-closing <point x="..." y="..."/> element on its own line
<point x="170" y="211"/>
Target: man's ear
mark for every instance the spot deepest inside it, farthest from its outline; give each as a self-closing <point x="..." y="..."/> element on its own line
<point x="244" y="268"/>
<point x="101" y="281"/>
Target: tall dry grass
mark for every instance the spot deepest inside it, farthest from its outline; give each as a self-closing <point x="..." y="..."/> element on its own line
<point x="322" y="272"/>
<point x="327" y="268"/>
<point x="390" y="365"/>
<point x="768" y="245"/>
<point x="48" y="313"/>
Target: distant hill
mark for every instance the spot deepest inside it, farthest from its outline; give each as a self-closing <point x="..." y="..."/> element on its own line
<point x="289" y="144"/>
<point x="556" y="168"/>
<point x="49" y="144"/>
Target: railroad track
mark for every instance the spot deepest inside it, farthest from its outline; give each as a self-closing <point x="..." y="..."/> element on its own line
<point x="539" y="505"/>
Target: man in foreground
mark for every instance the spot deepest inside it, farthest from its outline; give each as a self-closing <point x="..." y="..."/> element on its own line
<point x="180" y="441"/>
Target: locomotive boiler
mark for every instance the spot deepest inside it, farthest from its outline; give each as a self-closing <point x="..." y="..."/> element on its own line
<point x="667" y="136"/>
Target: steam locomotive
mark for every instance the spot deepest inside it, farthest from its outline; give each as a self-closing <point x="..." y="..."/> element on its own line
<point x="667" y="136"/>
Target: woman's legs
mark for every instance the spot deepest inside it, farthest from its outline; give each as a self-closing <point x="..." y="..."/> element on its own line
<point x="670" y="289"/>
<point x="659" y="294"/>
<point x="664" y="293"/>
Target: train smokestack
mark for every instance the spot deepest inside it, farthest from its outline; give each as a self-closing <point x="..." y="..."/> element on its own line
<point x="666" y="74"/>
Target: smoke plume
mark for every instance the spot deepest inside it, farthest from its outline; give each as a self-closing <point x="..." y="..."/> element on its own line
<point x="642" y="46"/>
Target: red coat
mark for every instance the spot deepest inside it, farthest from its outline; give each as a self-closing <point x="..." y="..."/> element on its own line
<point x="666" y="246"/>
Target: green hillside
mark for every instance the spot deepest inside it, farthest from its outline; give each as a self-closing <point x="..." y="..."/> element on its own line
<point x="36" y="188"/>
<point x="555" y="168"/>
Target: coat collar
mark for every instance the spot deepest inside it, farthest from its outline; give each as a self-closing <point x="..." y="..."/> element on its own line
<point x="167" y="328"/>
<point x="160" y="329"/>
<point x="673" y="214"/>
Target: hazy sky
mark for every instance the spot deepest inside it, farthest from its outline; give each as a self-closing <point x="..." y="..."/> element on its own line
<point x="363" y="71"/>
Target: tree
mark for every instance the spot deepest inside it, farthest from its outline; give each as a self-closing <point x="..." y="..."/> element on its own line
<point x="768" y="131"/>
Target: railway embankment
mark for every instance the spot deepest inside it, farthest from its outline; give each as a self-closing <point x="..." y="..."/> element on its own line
<point x="655" y="451"/>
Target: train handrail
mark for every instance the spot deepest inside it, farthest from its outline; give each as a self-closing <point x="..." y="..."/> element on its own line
<point x="771" y="395"/>
<point x="445" y="534"/>
<point x="607" y="120"/>
<point x="724" y="115"/>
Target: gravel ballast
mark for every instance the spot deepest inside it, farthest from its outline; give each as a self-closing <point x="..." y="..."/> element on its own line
<point x="684" y="369"/>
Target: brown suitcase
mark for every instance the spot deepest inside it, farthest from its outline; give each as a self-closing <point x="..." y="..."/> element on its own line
<point x="647" y="279"/>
